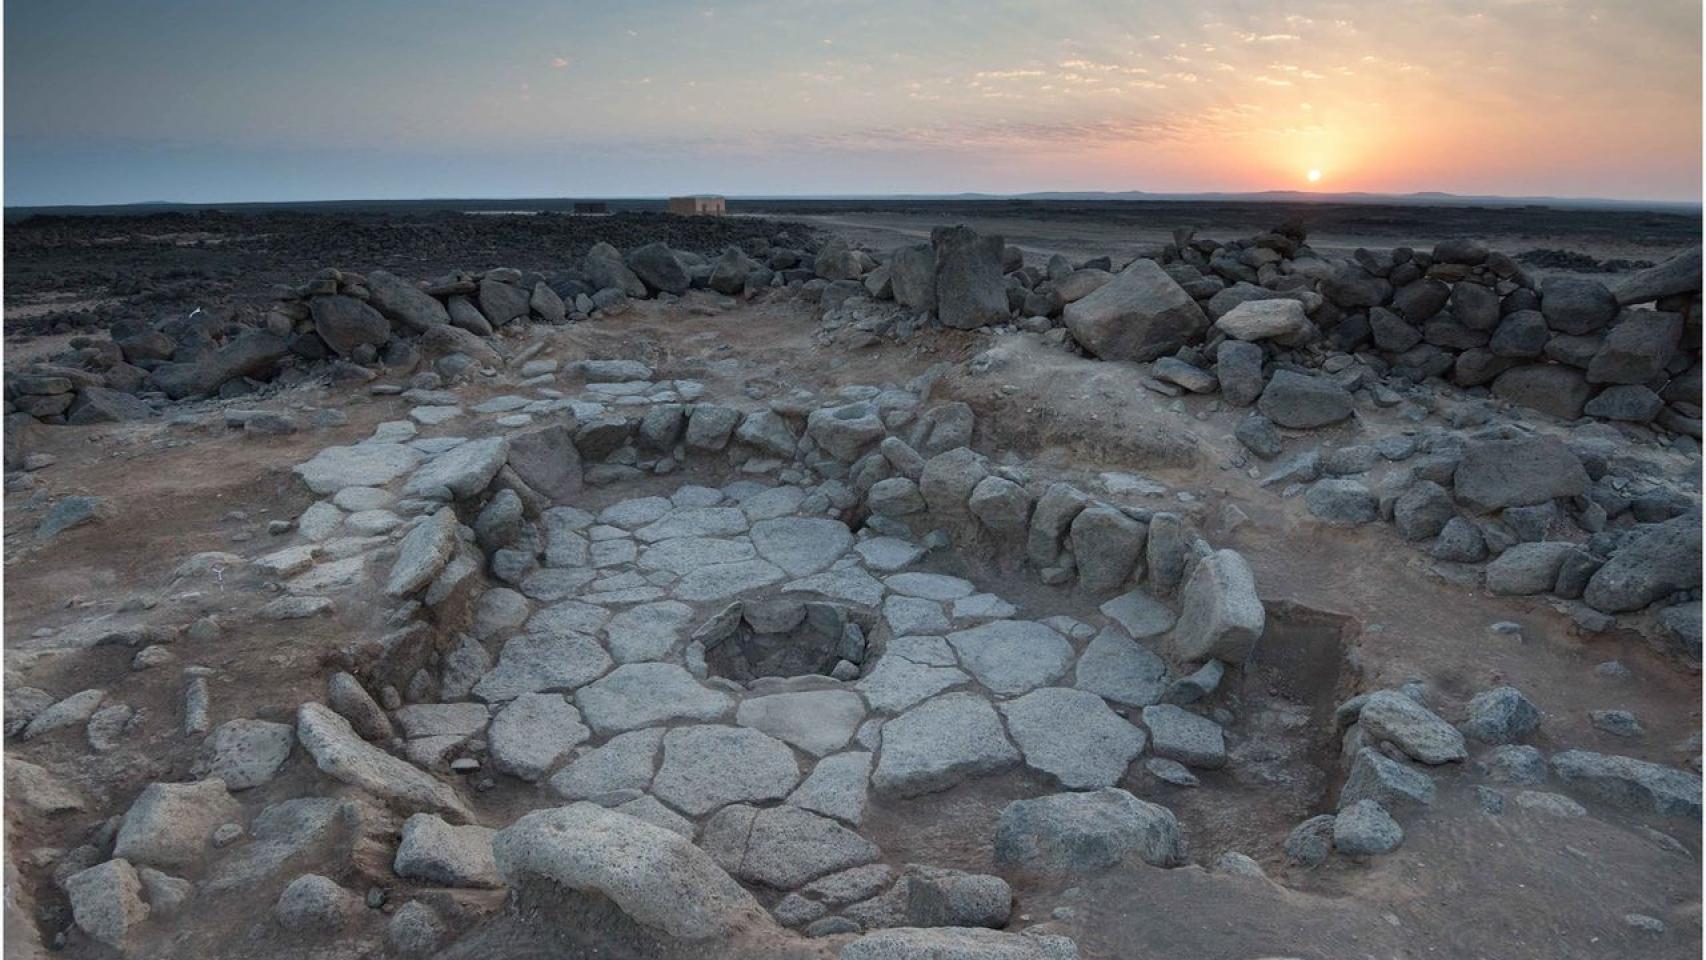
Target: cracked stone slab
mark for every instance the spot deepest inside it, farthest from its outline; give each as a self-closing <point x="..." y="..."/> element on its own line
<point x="711" y="766"/>
<point x="1013" y="656"/>
<point x="1073" y="737"/>
<point x="940" y="743"/>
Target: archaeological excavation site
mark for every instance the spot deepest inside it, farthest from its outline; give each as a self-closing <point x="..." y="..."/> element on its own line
<point x="648" y="586"/>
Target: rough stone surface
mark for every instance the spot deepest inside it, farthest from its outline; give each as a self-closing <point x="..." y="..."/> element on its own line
<point x="1072" y="736"/>
<point x="1084" y="832"/>
<point x="940" y="743"/>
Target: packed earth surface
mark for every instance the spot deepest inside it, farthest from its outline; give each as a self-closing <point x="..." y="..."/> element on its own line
<point x="649" y="586"/>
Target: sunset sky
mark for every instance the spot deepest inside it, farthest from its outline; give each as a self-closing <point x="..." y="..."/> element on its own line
<point x="225" y="101"/>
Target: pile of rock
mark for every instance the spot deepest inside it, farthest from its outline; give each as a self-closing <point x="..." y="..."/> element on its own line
<point x="376" y="320"/>
<point x="1567" y="347"/>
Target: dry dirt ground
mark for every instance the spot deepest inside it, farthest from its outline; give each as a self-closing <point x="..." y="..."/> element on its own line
<point x="1349" y="611"/>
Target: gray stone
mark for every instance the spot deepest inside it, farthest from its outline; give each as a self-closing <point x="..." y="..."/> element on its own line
<point x="1141" y="615"/>
<point x="1264" y="320"/>
<point x="536" y="662"/>
<point x="403" y="301"/>
<point x="1423" y="510"/>
<point x="1310" y="842"/>
<point x="1012" y="656"/>
<point x="533" y="733"/>
<point x="337" y="750"/>
<point x="106" y="903"/>
<point x="969" y="289"/>
<point x="1139" y="315"/>
<point x="707" y="767"/>
<point x="641" y="694"/>
<point x="1072" y="737"/>
<point x="1051" y="520"/>
<point x="247" y="753"/>
<point x="462" y="471"/>
<point x="346" y="323"/>
<point x="1238" y="368"/>
<point x="801" y="545"/>
<point x="653" y="875"/>
<point x="1416" y="730"/>
<point x="626" y="762"/>
<point x="1576" y="305"/>
<point x="1631" y="784"/>
<point x="957" y="943"/>
<point x="782" y="847"/>
<point x="1375" y="776"/>
<point x="1083" y="832"/>
<point x="1115" y="667"/>
<point x="939" y="743"/>
<point x="910" y="670"/>
<point x="1303" y="402"/>
<point x="1497" y="472"/>
<point x="422" y="554"/>
<point x="449" y="856"/>
<point x="1365" y="829"/>
<point x="1178" y="734"/>
<point x="1108" y="545"/>
<point x="1342" y="501"/>
<point x="171" y="824"/>
<point x="1527" y="568"/>
<point x="836" y="787"/>
<point x="1220" y="617"/>
<point x="816" y="721"/>
<point x="1653" y="561"/>
<point x="1501" y="715"/>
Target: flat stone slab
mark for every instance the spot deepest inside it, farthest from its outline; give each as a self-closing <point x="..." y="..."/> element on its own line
<point x="464" y="470"/>
<point x="940" y="743"/>
<point x="911" y="616"/>
<point x="1178" y="734"/>
<point x="911" y="670"/>
<point x="632" y="514"/>
<point x="887" y="554"/>
<point x="837" y="787"/>
<point x="1140" y="614"/>
<point x="533" y="734"/>
<point x="686" y="554"/>
<point x="694" y="522"/>
<point x="649" y="631"/>
<point x="707" y="767"/>
<point x="783" y="847"/>
<point x="819" y="722"/>
<point x="1013" y="656"/>
<point x="720" y="581"/>
<point x="1073" y="737"/>
<point x="1118" y="668"/>
<point x="847" y="583"/>
<point x="361" y="465"/>
<point x="929" y="586"/>
<point x="536" y="662"/>
<point x="801" y="546"/>
<point x="638" y="695"/>
<point x="569" y="616"/>
<point x="626" y="762"/>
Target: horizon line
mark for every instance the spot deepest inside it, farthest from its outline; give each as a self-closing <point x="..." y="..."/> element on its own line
<point x="1287" y="195"/>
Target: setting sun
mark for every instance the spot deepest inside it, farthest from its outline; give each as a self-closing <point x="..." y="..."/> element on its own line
<point x="1314" y="176"/>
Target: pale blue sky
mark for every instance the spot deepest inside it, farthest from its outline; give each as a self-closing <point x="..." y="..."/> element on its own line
<point x="225" y="101"/>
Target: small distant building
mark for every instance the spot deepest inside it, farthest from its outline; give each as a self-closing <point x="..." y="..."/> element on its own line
<point x="701" y="205"/>
<point x="591" y="207"/>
